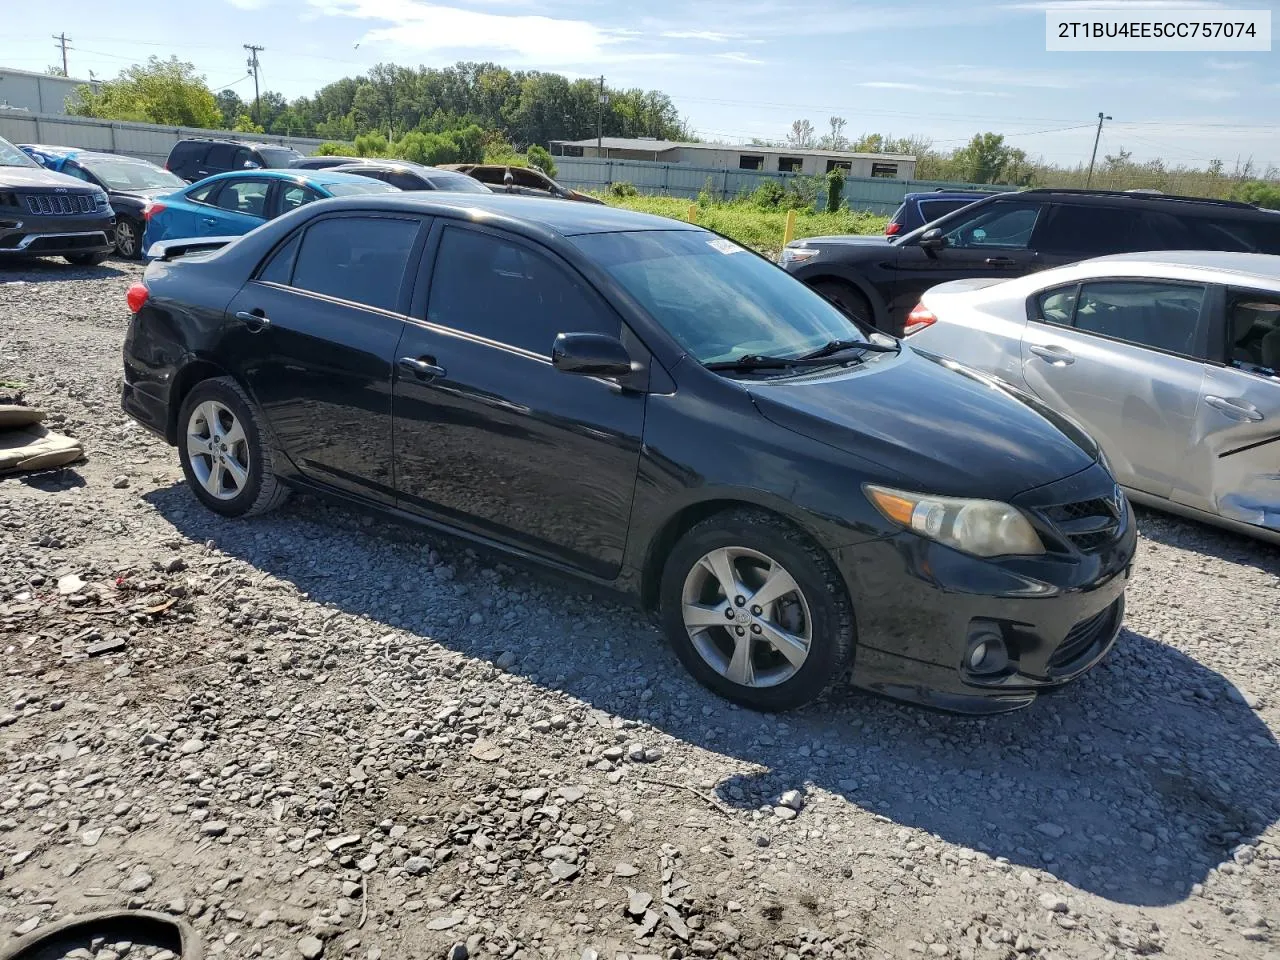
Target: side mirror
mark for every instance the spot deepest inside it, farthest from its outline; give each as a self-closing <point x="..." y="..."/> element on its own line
<point x="591" y="355"/>
<point x="932" y="239"/>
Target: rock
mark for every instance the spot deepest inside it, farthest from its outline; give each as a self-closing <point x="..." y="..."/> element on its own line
<point x="443" y="923"/>
<point x="153" y="740"/>
<point x="214" y="828"/>
<point x="562" y="870"/>
<point x="311" y="947"/>
<point x="506" y="660"/>
<point x="90" y="838"/>
<point x="120" y="482"/>
<point x="367" y="864"/>
<point x="457" y="952"/>
<point x="26" y="926"/>
<point x="625" y="870"/>
<point x="704" y="948"/>
<point x="726" y="930"/>
<point x="1236" y="695"/>
<point x="793" y="800"/>
<point x="785" y="813"/>
<point x="1049" y="829"/>
<point x="1244" y="854"/>
<point x="486" y="751"/>
<point x="638" y="902"/>
<point x="69" y="584"/>
<point x="635" y="752"/>
<point x="337" y="843"/>
<point x="137" y="882"/>
<point x="192" y="746"/>
<point x="1053" y="903"/>
<point x="533" y="795"/>
<point x="417" y="866"/>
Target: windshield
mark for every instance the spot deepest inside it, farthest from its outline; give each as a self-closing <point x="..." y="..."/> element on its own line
<point x="11" y="156"/>
<point x="126" y="175"/>
<point x="457" y="183"/>
<point x="717" y="299"/>
<point x="351" y="189"/>
<point x="279" y="156"/>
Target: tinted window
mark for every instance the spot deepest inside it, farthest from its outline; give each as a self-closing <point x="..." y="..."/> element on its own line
<point x="1253" y="330"/>
<point x="1007" y="225"/>
<point x="220" y="155"/>
<point x="293" y="195"/>
<point x="1056" y="306"/>
<point x="204" y="193"/>
<point x="279" y="268"/>
<point x="278" y="156"/>
<point x="357" y="259"/>
<point x="350" y="188"/>
<point x="931" y="210"/>
<point x="457" y="183"/>
<point x="405" y="181"/>
<point x="73" y="170"/>
<point x="242" y="156"/>
<point x="506" y="292"/>
<point x="244" y="196"/>
<point x="1086" y="231"/>
<point x="189" y="153"/>
<point x="1153" y="314"/>
<point x="898" y="214"/>
<point x="1257" y="234"/>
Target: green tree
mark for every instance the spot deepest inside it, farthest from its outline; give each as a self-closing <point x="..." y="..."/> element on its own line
<point x="230" y="106"/>
<point x="161" y="91"/>
<point x="1258" y="192"/>
<point x="988" y="159"/>
<point x="540" y="157"/>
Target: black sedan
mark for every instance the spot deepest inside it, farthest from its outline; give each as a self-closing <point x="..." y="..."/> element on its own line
<point x="649" y="406"/>
<point x="414" y="176"/>
<point x="129" y="184"/>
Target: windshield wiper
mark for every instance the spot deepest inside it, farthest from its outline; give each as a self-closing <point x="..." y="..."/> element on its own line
<point x="839" y="346"/>
<point x="754" y="362"/>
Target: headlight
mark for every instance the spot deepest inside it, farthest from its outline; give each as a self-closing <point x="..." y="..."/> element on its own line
<point x="799" y="254"/>
<point x="985" y="528"/>
<point x="100" y="198"/>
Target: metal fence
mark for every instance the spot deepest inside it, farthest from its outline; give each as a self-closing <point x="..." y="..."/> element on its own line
<point x="874" y="194"/>
<point x="147" y="141"/>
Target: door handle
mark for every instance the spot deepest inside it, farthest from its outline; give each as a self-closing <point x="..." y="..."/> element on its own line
<point x="1001" y="261"/>
<point x="425" y="369"/>
<point x="256" y="322"/>
<point x="1056" y="355"/>
<point x="1235" y="408"/>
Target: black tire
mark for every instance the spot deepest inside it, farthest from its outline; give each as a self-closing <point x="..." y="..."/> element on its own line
<point x="829" y="609"/>
<point x="128" y="238"/>
<point x="848" y="299"/>
<point x="261" y="490"/>
<point x="86" y="259"/>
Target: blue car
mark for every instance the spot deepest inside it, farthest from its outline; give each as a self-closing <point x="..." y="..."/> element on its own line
<point x="231" y="204"/>
<point x="920" y="208"/>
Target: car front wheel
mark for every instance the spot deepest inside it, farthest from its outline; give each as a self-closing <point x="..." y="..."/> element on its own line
<point x="756" y="611"/>
<point x="225" y="458"/>
<point x="128" y="239"/>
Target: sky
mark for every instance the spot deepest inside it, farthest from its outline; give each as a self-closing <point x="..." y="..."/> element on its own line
<point x="941" y="69"/>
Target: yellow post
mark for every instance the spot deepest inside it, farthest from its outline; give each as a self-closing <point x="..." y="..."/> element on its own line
<point x="789" y="233"/>
<point x="693" y="213"/>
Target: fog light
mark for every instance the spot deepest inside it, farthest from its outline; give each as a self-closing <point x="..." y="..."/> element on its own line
<point x="987" y="654"/>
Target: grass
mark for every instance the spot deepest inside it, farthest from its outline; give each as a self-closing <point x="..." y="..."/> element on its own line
<point x="752" y="227"/>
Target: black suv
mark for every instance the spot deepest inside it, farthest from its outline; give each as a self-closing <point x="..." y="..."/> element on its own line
<point x="198" y="158"/>
<point x="1013" y="234"/>
<point x="47" y="214"/>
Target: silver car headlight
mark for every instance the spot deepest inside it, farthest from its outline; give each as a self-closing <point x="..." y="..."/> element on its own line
<point x="984" y="528"/>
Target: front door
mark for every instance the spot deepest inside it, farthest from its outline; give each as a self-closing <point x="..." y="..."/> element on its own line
<point x="489" y="436"/>
<point x="1125" y="359"/>
<point x="241" y="206"/>
<point x="315" y="332"/>
<point x="1235" y="450"/>
<point x="994" y="242"/>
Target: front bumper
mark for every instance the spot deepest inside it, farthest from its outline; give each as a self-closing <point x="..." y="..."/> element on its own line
<point x="919" y="607"/>
<point x="38" y="236"/>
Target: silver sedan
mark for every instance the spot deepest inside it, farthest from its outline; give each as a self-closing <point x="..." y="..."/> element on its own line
<point x="1171" y="360"/>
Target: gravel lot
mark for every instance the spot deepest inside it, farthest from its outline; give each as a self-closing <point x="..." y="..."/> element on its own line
<point x="323" y="734"/>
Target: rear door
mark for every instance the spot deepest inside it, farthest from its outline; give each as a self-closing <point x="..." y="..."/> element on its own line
<point x="315" y="334"/>
<point x="1234" y="463"/>
<point x="219" y="158"/>
<point x="1126" y="359"/>
<point x="240" y="205"/>
<point x="1072" y="232"/>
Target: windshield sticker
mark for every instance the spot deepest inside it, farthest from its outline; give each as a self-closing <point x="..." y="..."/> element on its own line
<point x="724" y="246"/>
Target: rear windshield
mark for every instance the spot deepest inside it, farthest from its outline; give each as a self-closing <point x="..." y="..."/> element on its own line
<point x="346" y="189"/>
<point x="127" y="175"/>
<point x="897" y="214"/>
<point x="933" y="209"/>
<point x="457" y="183"/>
<point x="278" y="156"/>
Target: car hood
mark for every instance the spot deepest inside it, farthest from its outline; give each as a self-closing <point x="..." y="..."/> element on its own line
<point x="142" y="195"/>
<point x="22" y="177"/>
<point x="931" y="425"/>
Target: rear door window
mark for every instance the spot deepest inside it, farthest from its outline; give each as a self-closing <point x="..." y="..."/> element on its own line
<point x="220" y="156"/>
<point x="1253" y="329"/>
<point x="1245" y="234"/>
<point x="361" y="259"/>
<point x="294" y="195"/>
<point x="1158" y="314"/>
<point x="1086" y="231"/>
<point x="248" y="197"/>
<point x="205" y="193"/>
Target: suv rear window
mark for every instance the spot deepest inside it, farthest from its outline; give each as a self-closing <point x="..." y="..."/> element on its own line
<point x="931" y="210"/>
<point x="189" y="151"/>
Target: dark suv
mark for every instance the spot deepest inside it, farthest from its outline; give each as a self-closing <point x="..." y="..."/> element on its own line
<point x="47" y="214"/>
<point x="196" y="159"/>
<point x="880" y="279"/>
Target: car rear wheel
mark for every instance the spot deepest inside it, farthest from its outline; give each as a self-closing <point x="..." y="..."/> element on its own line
<point x="848" y="299"/>
<point x="225" y="459"/>
<point x="128" y="238"/>
<point x="756" y="611"/>
<point x="86" y="259"/>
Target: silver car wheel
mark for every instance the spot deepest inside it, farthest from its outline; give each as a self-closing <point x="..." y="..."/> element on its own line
<point x="218" y="450"/>
<point x="126" y="238"/>
<point x="747" y="617"/>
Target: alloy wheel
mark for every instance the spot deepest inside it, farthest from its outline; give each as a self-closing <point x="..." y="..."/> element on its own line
<point x="747" y="617"/>
<point x="218" y="450"/>
<point x="126" y="239"/>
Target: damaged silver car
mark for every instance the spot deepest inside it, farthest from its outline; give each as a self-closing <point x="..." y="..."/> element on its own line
<point x="1170" y="359"/>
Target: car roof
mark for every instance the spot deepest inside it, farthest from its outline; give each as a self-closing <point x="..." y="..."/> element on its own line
<point x="294" y="174"/>
<point x="389" y="164"/>
<point x="535" y="214"/>
<point x="76" y="153"/>
<point x="239" y="143"/>
<point x="1259" y="270"/>
<point x="952" y="194"/>
<point x="1263" y="265"/>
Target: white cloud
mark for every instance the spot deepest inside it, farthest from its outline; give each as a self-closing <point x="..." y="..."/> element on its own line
<point x="1228" y="65"/>
<point x="711" y="36"/>
<point x="737" y="56"/>
<point x="930" y="88"/>
<point x="249" y="4"/>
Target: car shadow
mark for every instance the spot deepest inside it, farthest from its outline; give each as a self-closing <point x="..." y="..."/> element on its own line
<point x="1204" y="538"/>
<point x="1131" y="784"/>
<point x="55" y="270"/>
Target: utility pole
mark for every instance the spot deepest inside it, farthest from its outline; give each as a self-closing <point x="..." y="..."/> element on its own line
<point x="601" y="100"/>
<point x="1093" y="159"/>
<point x="253" y="68"/>
<point x="63" y="40"/>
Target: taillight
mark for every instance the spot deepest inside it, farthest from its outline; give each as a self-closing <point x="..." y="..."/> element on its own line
<point x="136" y="296"/>
<point x="892" y="229"/>
<point x="919" y="318"/>
<point x="151" y="209"/>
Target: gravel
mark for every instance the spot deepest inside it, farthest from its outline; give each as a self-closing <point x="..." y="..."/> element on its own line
<point x="315" y="733"/>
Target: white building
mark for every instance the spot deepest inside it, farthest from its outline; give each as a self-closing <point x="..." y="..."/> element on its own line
<point x="721" y="156"/>
<point x="35" y="92"/>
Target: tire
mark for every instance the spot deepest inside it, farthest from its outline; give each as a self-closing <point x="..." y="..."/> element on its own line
<point x="86" y="259"/>
<point x="848" y="299"/>
<point x="756" y="543"/>
<point x="237" y="480"/>
<point x="128" y="239"/>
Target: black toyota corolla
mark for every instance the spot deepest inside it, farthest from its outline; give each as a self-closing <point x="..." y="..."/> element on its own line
<point x="651" y="407"/>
